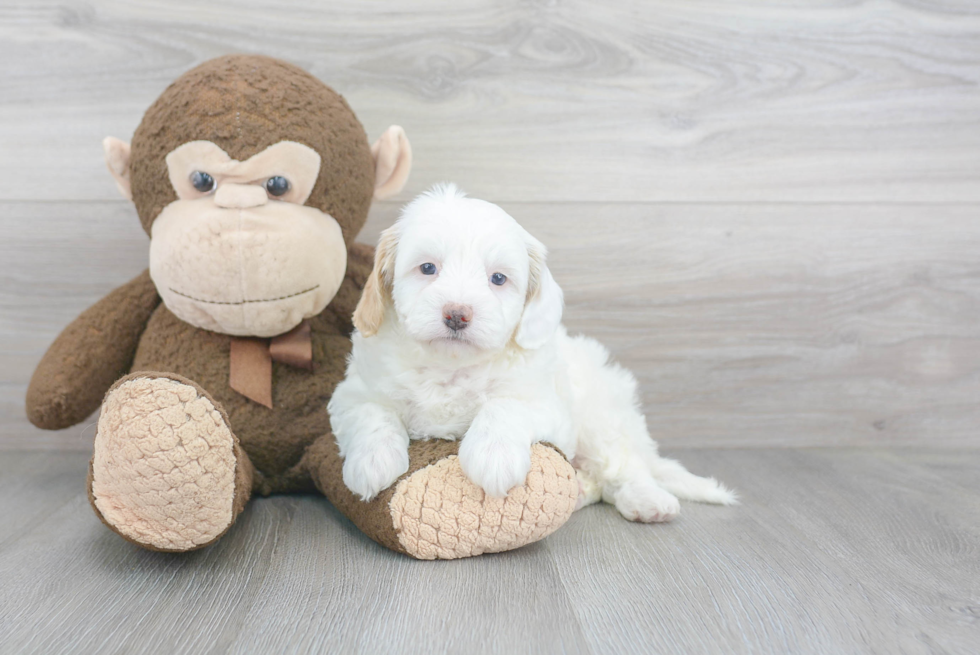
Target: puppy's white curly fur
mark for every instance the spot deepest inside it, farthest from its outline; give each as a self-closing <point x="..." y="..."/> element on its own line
<point x="509" y="377"/>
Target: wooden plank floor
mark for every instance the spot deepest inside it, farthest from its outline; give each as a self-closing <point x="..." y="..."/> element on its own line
<point x="832" y="551"/>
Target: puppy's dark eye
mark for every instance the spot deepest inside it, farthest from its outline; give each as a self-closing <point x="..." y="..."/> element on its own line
<point x="498" y="278"/>
<point x="428" y="269"/>
<point x="277" y="186"/>
<point x="202" y="181"/>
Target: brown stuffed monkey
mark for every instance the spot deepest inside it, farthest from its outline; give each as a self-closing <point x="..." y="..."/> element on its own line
<point x="214" y="367"/>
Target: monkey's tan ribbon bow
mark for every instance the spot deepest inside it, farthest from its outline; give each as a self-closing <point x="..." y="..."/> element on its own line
<point x="251" y="361"/>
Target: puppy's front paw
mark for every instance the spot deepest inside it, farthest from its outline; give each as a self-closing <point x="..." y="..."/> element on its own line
<point x="493" y="463"/>
<point x="644" y="500"/>
<point x="370" y="470"/>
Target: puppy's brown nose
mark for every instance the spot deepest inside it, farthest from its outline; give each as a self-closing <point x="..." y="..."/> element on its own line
<point x="456" y="316"/>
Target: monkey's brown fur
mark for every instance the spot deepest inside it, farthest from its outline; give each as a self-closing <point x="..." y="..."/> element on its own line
<point x="243" y="104"/>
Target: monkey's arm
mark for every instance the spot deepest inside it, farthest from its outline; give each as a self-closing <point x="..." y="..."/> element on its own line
<point x="95" y="350"/>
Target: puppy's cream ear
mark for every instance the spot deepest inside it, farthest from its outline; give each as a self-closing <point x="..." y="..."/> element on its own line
<point x="370" y="310"/>
<point x="543" y="308"/>
<point x="117" y="159"/>
<point x="392" y="162"/>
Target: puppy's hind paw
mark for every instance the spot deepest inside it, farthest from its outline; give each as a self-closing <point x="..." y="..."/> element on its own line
<point x="369" y="471"/>
<point x="644" y="501"/>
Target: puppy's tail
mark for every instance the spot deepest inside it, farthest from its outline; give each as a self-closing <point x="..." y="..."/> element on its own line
<point x="676" y="479"/>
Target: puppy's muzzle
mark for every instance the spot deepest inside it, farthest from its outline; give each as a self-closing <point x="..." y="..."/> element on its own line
<point x="456" y="316"/>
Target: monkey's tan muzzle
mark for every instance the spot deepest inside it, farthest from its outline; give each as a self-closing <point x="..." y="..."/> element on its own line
<point x="255" y="271"/>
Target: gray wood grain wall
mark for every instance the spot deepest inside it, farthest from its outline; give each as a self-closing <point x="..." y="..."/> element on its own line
<point x="768" y="210"/>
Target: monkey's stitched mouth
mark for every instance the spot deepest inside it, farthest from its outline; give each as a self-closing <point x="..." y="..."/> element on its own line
<point x="243" y="302"/>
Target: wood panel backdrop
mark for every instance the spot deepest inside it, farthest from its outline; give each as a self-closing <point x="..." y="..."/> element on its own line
<point x="769" y="211"/>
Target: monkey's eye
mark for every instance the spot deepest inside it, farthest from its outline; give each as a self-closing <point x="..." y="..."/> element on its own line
<point x="428" y="269"/>
<point x="202" y="181"/>
<point x="277" y="186"/>
<point x="498" y="278"/>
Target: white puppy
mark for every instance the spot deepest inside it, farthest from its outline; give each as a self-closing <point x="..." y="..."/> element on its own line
<point x="459" y="335"/>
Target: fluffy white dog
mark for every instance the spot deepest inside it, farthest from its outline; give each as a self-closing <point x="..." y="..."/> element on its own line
<point x="459" y="335"/>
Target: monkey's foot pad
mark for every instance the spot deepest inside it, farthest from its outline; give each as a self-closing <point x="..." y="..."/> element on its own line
<point x="439" y="514"/>
<point x="163" y="472"/>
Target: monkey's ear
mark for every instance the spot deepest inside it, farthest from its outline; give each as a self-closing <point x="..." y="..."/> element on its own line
<point x="117" y="159"/>
<point x="370" y="310"/>
<point x="392" y="162"/>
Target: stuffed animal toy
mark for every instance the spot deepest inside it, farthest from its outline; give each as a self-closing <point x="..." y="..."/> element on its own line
<point x="214" y="367"/>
